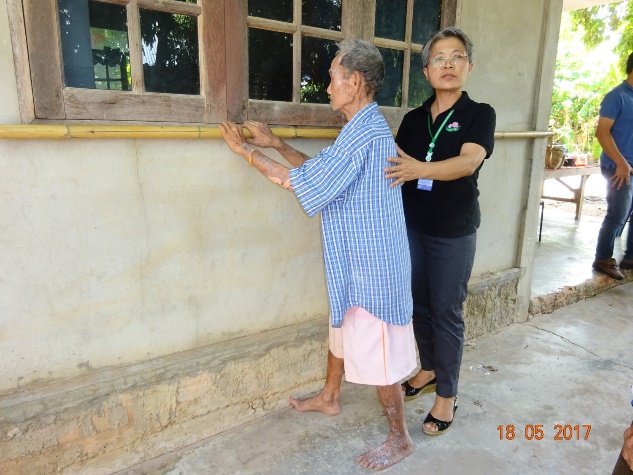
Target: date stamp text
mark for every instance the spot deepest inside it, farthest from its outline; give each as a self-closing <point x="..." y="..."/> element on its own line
<point x="540" y="432"/>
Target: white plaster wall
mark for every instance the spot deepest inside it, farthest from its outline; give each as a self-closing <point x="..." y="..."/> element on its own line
<point x="507" y="36"/>
<point x="116" y="251"/>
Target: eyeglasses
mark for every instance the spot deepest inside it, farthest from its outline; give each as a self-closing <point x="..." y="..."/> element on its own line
<point x="454" y="60"/>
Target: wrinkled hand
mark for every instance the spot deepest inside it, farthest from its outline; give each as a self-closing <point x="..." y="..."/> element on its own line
<point x="405" y="168"/>
<point x="622" y="176"/>
<point x="262" y="135"/>
<point x="234" y="137"/>
<point x="627" y="448"/>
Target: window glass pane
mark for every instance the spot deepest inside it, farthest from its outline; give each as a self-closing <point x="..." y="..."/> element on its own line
<point x="170" y="52"/>
<point x="316" y="57"/>
<point x="275" y="10"/>
<point x="94" y="45"/>
<point x="426" y="19"/>
<point x="322" y="14"/>
<point x="111" y="59"/>
<point x="419" y="88"/>
<point x="269" y="65"/>
<point x="391" y="17"/>
<point x="391" y="91"/>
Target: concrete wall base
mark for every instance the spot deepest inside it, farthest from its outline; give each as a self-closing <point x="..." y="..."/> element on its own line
<point x="572" y="294"/>
<point x="491" y="302"/>
<point x="113" y="419"/>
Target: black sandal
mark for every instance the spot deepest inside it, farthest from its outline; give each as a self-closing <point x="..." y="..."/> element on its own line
<point x="442" y="426"/>
<point x="411" y="393"/>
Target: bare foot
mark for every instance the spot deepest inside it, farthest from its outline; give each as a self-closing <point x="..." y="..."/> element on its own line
<point x="394" y="449"/>
<point x="320" y="402"/>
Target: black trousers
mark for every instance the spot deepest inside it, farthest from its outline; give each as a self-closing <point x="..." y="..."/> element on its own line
<point x="440" y="271"/>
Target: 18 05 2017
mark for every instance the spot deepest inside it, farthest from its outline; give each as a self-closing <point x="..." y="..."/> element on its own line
<point x="538" y="432"/>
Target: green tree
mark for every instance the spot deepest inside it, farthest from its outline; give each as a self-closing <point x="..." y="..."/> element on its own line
<point x="585" y="72"/>
<point x="597" y="23"/>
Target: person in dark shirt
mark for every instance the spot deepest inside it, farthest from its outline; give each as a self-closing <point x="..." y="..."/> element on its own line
<point x="441" y="148"/>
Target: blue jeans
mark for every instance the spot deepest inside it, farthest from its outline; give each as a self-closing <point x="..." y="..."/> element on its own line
<point x="618" y="207"/>
<point x="440" y="269"/>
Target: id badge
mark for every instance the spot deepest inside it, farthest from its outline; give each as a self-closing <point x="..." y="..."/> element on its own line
<point x="425" y="184"/>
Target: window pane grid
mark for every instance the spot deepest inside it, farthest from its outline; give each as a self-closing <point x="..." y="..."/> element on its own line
<point x="326" y="14"/>
<point x="400" y="53"/>
<point x="184" y="7"/>
<point x="272" y="25"/>
<point x="321" y="33"/>
<point x="305" y="68"/>
<point x="391" y="19"/>
<point x="317" y="55"/>
<point x="174" y="6"/>
<point x="112" y="45"/>
<point x="271" y="74"/>
<point x="392" y="29"/>
<point x="280" y="10"/>
<point x="170" y="52"/>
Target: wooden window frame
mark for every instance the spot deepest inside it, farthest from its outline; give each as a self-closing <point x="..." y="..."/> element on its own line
<point x="358" y="18"/>
<point x="295" y="112"/>
<point x="223" y="46"/>
<point x="53" y="101"/>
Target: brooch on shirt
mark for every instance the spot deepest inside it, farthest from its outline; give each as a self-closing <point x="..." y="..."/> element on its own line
<point x="454" y="127"/>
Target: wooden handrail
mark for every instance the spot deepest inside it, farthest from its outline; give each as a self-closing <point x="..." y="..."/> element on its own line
<point x="45" y="131"/>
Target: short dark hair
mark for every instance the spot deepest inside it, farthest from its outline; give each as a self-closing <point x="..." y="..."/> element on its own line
<point x="629" y="64"/>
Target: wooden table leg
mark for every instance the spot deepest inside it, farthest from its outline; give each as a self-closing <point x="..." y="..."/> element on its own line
<point x="579" y="195"/>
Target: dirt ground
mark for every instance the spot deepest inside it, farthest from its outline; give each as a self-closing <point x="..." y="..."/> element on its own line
<point x="593" y="206"/>
<point x="595" y="191"/>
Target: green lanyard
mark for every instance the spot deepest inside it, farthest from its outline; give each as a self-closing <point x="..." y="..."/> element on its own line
<point x="429" y="154"/>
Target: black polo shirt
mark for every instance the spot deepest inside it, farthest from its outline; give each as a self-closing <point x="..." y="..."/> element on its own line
<point x="450" y="208"/>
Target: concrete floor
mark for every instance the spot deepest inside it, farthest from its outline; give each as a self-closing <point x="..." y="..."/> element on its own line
<point x="566" y="251"/>
<point x="573" y="367"/>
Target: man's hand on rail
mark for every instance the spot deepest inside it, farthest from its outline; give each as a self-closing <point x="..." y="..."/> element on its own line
<point x="262" y="135"/>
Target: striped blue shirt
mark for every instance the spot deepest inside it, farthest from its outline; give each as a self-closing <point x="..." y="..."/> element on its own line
<point x="366" y="252"/>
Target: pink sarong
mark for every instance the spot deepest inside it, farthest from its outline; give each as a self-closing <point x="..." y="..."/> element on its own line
<point x="374" y="352"/>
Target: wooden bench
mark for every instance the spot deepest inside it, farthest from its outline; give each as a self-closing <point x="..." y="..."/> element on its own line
<point x="579" y="193"/>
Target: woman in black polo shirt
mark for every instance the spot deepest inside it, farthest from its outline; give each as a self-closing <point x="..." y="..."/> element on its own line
<point x="442" y="145"/>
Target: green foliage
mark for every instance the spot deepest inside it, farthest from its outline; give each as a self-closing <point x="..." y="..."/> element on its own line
<point x="314" y="92"/>
<point x="597" y="22"/>
<point x="578" y="91"/>
<point x="585" y="72"/>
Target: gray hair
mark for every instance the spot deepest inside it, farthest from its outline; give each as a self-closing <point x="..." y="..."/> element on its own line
<point x="364" y="58"/>
<point x="450" y="32"/>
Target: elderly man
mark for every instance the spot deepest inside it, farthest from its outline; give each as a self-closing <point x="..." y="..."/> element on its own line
<point x="366" y="253"/>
